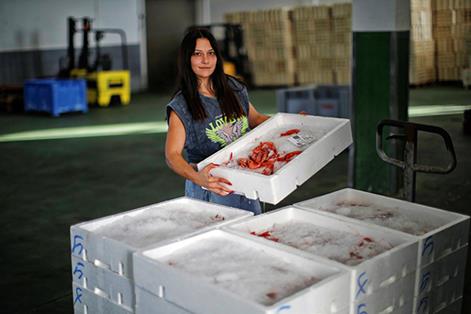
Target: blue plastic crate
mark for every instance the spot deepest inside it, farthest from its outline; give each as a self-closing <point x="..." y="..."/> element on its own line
<point x="55" y="96"/>
<point x="319" y="100"/>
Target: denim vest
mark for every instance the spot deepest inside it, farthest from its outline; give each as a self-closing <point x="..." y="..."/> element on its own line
<point x="205" y="137"/>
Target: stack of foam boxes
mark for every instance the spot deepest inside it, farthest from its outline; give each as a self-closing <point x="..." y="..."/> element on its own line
<point x="199" y="294"/>
<point x="442" y="251"/>
<point x="381" y="284"/>
<point x="102" y="250"/>
<point x="415" y="274"/>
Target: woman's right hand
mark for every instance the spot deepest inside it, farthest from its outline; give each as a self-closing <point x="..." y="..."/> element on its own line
<point x="211" y="183"/>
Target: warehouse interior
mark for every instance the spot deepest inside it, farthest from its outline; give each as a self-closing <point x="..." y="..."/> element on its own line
<point x="105" y="159"/>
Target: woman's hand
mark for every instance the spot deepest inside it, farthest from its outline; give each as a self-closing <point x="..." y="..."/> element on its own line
<point x="211" y="183"/>
<point x="173" y="155"/>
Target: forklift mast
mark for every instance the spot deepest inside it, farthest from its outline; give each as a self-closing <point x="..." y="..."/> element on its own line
<point x="83" y="58"/>
<point x="70" y="40"/>
<point x="101" y="61"/>
<point x="99" y="35"/>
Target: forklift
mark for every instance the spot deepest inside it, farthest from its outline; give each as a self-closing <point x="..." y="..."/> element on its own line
<point x="236" y="62"/>
<point x="104" y="85"/>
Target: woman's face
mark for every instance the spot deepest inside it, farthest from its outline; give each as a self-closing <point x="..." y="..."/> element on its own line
<point x="203" y="60"/>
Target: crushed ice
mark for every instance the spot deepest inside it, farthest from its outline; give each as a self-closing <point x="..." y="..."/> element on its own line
<point x="246" y="271"/>
<point x="345" y="247"/>
<point x="383" y="216"/>
<point x="158" y="224"/>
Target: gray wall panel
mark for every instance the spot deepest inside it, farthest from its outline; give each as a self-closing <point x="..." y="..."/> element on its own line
<point x="167" y="21"/>
<point x="18" y="66"/>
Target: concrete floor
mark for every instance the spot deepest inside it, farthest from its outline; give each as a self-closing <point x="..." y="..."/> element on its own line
<point x="48" y="185"/>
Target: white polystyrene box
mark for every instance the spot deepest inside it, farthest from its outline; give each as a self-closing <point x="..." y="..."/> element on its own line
<point x="147" y="303"/>
<point x="371" y="275"/>
<point x="442" y="283"/>
<point x="89" y="244"/>
<point x="201" y="295"/>
<point x="333" y="135"/>
<point x="87" y="302"/>
<point x="450" y="235"/>
<point x="110" y="285"/>
<point x="454" y="308"/>
<point x="434" y="275"/>
<point x="397" y="298"/>
<point x="440" y="298"/>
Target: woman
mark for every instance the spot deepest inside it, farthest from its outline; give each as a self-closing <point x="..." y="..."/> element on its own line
<point x="209" y="111"/>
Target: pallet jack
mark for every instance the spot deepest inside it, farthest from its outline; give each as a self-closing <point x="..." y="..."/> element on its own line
<point x="409" y="164"/>
<point x="104" y="85"/>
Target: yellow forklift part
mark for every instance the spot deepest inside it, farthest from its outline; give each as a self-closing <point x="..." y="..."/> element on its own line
<point x="104" y="85"/>
<point x="229" y="68"/>
<point x="78" y="73"/>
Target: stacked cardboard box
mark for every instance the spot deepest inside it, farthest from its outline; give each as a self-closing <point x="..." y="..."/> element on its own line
<point x="313" y="41"/>
<point x="307" y="44"/>
<point x="342" y="42"/>
<point x="269" y="44"/>
<point x="313" y="44"/>
<point x="422" y="46"/>
<point x="323" y="41"/>
<point x="452" y="34"/>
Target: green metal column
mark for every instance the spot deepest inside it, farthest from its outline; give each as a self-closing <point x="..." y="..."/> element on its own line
<point x="379" y="85"/>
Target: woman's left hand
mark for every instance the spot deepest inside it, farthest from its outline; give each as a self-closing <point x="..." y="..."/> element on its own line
<point x="213" y="183"/>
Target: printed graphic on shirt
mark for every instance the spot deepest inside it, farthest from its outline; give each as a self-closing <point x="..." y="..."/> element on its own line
<point x="224" y="131"/>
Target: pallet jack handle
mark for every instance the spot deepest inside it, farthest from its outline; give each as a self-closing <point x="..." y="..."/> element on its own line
<point x="409" y="163"/>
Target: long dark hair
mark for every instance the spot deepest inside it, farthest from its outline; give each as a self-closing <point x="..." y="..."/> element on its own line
<point x="187" y="81"/>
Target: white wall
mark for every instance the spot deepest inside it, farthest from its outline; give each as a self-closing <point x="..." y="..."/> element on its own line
<point x="42" y="24"/>
<point x="219" y="7"/>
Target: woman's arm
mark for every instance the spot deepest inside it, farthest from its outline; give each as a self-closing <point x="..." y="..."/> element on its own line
<point x="173" y="156"/>
<point x="255" y="117"/>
